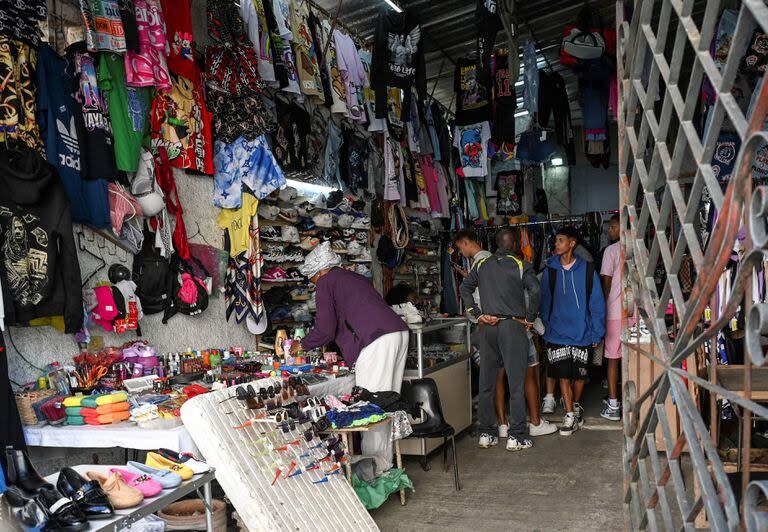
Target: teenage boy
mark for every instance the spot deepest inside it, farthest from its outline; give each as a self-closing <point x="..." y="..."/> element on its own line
<point x="509" y="239"/>
<point x="503" y="324"/>
<point x="610" y="271"/>
<point x="573" y="312"/>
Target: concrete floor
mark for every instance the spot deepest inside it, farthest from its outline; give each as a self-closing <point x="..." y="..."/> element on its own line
<point x="562" y="483"/>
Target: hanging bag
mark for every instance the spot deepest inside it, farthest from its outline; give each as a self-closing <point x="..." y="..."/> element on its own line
<point x="150" y="273"/>
<point x="188" y="292"/>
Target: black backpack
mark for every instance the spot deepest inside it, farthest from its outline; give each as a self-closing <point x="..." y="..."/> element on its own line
<point x="175" y="304"/>
<point x="150" y="273"/>
<point x="553" y="280"/>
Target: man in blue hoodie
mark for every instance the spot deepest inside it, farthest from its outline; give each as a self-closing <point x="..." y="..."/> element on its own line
<point x="573" y="312"/>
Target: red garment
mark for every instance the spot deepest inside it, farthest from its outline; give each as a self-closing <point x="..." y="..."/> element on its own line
<point x="427" y="164"/>
<point x="178" y="25"/>
<point x="166" y="182"/>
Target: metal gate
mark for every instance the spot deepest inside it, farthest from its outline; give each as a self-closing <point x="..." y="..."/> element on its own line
<point x="667" y="179"/>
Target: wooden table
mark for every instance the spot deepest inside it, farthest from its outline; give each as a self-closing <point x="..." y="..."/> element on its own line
<point x="344" y="435"/>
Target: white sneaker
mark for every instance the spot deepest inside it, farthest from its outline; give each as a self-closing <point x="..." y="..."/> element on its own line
<point x="515" y="444"/>
<point x="503" y="431"/>
<point x="579" y="411"/>
<point x="487" y="441"/>
<point x="542" y="429"/>
<point x="570" y="424"/>
<point x="548" y="405"/>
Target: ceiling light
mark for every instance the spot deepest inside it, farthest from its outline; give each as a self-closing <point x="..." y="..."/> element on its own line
<point x="521" y="113"/>
<point x="309" y="187"/>
<point x="394" y="6"/>
<point x="557" y="161"/>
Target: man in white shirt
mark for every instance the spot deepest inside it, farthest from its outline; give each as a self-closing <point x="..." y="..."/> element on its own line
<point x="610" y="272"/>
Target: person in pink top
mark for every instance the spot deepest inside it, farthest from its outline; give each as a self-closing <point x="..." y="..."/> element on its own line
<point x="610" y="272"/>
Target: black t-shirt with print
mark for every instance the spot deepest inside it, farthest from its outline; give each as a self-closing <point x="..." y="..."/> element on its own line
<point x="354" y="155"/>
<point x="504" y="101"/>
<point x="473" y="96"/>
<point x="291" y="146"/>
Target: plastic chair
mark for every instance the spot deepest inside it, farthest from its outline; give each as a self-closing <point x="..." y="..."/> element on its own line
<point x="422" y="396"/>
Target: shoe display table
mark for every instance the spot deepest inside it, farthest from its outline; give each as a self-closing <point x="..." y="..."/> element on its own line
<point x="130" y="436"/>
<point x="125" y="518"/>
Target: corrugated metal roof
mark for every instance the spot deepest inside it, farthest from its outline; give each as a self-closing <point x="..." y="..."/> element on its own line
<point x="450" y="33"/>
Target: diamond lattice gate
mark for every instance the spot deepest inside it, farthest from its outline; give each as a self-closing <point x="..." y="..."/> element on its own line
<point x="680" y="215"/>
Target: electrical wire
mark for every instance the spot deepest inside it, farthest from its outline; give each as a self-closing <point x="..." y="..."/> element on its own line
<point x="25" y="359"/>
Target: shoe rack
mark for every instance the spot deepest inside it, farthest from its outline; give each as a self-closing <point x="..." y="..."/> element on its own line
<point x="247" y="460"/>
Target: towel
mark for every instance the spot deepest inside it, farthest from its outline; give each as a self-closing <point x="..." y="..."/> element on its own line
<point x="106" y="419"/>
<point x="75" y="420"/>
<point x="105" y="409"/>
<point x="75" y="400"/>
<point x="103" y="399"/>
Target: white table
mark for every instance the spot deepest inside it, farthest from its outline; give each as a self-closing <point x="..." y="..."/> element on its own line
<point x="126" y="435"/>
<point x="125" y="518"/>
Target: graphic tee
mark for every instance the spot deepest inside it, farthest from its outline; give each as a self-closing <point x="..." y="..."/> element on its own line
<point x="56" y="109"/>
<point x="473" y="97"/>
<point x="148" y="67"/>
<point x="237" y="223"/>
<point x="128" y="110"/>
<point x="94" y="129"/>
<point x="472" y="142"/>
<point x="305" y="47"/>
<point x="374" y="124"/>
<point x="252" y="12"/>
<point x="509" y="185"/>
<point x="103" y="25"/>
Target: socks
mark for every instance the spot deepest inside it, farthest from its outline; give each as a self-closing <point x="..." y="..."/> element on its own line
<point x="549" y="396"/>
<point x="613" y="403"/>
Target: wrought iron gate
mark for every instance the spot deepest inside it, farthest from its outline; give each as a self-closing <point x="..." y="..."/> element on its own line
<point x="666" y="180"/>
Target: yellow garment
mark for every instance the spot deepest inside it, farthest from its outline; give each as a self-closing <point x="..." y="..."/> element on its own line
<point x="57" y="322"/>
<point x="160" y="462"/>
<point x="238" y="223"/>
<point x="114" y="397"/>
<point x="481" y="202"/>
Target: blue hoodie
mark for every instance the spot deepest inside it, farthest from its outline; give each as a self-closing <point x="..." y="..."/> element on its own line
<point x="574" y="320"/>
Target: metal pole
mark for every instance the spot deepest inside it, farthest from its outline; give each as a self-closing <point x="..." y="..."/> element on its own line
<point x="208" y="506"/>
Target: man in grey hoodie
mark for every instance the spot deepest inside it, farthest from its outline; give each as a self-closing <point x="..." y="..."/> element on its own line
<point x="503" y="321"/>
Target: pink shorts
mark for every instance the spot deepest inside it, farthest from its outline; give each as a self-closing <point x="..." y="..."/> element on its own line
<point x="612" y="339"/>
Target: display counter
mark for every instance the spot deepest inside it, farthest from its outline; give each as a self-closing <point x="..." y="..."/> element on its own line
<point x="449" y="366"/>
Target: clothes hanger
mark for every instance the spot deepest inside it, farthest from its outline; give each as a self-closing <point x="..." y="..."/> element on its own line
<point x="82" y="247"/>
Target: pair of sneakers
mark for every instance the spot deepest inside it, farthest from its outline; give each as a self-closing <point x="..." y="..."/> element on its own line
<point x="488" y="440"/>
<point x="572" y="421"/>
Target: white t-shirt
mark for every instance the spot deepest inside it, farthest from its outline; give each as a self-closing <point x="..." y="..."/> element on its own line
<point x="612" y="268"/>
<point x="472" y="142"/>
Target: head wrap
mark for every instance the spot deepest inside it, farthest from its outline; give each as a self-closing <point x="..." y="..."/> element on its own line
<point x="320" y="258"/>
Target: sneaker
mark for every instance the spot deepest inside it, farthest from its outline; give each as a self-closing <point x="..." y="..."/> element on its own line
<point x="306" y="226"/>
<point x="288" y="194"/>
<point x="487" y="440"/>
<point x="542" y="429"/>
<point x="289" y="214"/>
<point x="353" y="248"/>
<point x="269" y="233"/>
<point x="300" y="294"/>
<point x="364" y="222"/>
<point x="269" y="212"/>
<point x="548" y="405"/>
<point x="518" y="444"/>
<point x="579" y="411"/>
<point x="324" y="219"/>
<point x="345" y="220"/>
<point x="309" y="243"/>
<point x="363" y="270"/>
<point x="338" y="246"/>
<point x="363" y="256"/>
<point x="305" y="209"/>
<point x="293" y="274"/>
<point x="570" y="424"/>
<point x="408" y="312"/>
<point x="289" y="233"/>
<point x="611" y="413"/>
<point x="274" y="275"/>
<point x="503" y="431"/>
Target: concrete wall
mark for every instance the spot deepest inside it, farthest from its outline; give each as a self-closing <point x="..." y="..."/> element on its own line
<point x="594" y="189"/>
<point x="42" y="345"/>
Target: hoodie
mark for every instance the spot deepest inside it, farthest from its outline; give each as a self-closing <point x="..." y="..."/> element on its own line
<point x="38" y="257"/>
<point x="575" y="320"/>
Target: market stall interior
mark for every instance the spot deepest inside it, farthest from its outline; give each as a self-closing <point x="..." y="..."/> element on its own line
<point x="283" y="251"/>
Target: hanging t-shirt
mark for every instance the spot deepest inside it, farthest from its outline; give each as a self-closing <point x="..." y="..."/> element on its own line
<point x="394" y="185"/>
<point x="147" y="67"/>
<point x="56" y="109"/>
<point x="17" y="93"/>
<point x="374" y="124"/>
<point x="252" y="12"/>
<point x="305" y="48"/>
<point x="292" y="138"/>
<point x="331" y="170"/>
<point x="473" y="97"/>
<point x="353" y="74"/>
<point x="504" y="100"/>
<point x="244" y="162"/>
<point x="128" y="111"/>
<point x="354" y="172"/>
<point x="282" y="11"/>
<point x="315" y="29"/>
<point x="472" y="142"/>
<point x="237" y="223"/>
<point x="285" y="63"/>
<point x="338" y="85"/>
<point x="128" y="18"/>
<point x="181" y="124"/>
<point x="509" y="185"/>
<point x="488" y="24"/>
<point x="103" y="25"/>
<point x="97" y="154"/>
<point x="19" y="20"/>
<point x="178" y="23"/>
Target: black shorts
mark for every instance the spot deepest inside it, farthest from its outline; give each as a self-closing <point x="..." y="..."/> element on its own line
<point x="567" y="361"/>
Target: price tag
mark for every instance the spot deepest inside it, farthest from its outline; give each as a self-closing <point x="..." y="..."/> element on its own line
<point x="734" y="324"/>
<point x="707" y="314"/>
